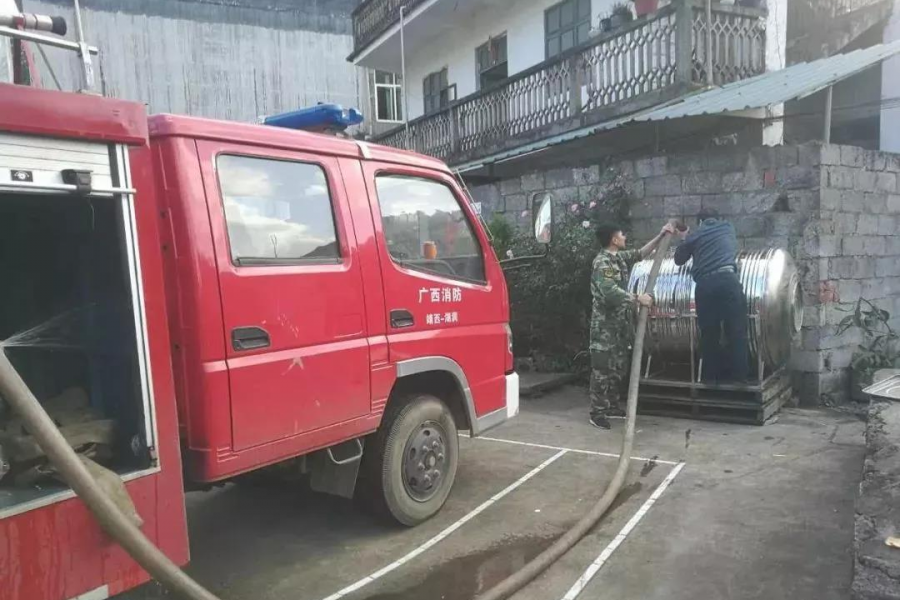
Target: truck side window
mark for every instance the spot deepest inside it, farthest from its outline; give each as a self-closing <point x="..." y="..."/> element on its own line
<point x="277" y="211"/>
<point x="426" y="229"/>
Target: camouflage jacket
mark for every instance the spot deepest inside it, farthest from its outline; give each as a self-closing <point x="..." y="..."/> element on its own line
<point x="613" y="307"/>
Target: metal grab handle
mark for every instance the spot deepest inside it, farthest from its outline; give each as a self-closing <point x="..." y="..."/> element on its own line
<point x="401" y="318"/>
<point x="250" y="338"/>
<point x="38" y="38"/>
<point x="63" y="187"/>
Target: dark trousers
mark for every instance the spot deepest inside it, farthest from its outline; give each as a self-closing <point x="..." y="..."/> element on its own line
<point x="722" y="318"/>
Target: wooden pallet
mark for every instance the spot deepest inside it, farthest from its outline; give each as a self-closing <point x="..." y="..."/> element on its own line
<point x="752" y="404"/>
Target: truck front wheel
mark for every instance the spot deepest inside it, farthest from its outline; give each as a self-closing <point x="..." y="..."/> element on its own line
<point x="409" y="464"/>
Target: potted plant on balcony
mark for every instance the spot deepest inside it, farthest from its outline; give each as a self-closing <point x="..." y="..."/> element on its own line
<point x="645" y="7"/>
<point x="619" y="15"/>
<point x="605" y="25"/>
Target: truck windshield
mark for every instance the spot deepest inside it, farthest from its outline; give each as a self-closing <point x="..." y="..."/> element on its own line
<point x="426" y="229"/>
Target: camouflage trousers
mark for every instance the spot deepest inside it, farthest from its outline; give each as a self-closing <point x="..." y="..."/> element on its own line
<point x="609" y="379"/>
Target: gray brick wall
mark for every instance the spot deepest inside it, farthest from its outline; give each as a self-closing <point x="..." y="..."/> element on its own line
<point x="836" y="209"/>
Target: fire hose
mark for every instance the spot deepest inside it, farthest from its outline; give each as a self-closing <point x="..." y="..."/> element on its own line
<point x="123" y="530"/>
<point x="111" y="518"/>
<point x="542" y="561"/>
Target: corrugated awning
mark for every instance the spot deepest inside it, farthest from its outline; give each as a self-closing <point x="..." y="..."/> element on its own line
<point x="769" y="89"/>
<point x="792" y="83"/>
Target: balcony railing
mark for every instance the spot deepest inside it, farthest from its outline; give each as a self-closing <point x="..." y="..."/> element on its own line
<point x="374" y="17"/>
<point x="641" y="64"/>
<point x="842" y="7"/>
<point x="819" y="28"/>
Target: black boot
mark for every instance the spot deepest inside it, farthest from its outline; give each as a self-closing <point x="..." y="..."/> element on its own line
<point x="600" y="422"/>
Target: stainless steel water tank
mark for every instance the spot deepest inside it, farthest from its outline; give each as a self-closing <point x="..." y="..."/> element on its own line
<point x="774" y="305"/>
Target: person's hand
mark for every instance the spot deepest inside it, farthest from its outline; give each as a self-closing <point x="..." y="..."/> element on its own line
<point x="645" y="300"/>
<point x="667" y="228"/>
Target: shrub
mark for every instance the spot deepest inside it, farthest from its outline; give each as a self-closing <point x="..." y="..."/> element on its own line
<point x="550" y="298"/>
<point x="503" y="234"/>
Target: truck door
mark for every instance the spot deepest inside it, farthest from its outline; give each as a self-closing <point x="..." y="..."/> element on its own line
<point x="443" y="298"/>
<point x="291" y="288"/>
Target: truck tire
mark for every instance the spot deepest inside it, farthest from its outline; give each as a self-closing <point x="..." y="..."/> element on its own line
<point x="409" y="464"/>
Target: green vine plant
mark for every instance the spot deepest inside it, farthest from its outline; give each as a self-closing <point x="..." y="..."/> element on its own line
<point x="880" y="348"/>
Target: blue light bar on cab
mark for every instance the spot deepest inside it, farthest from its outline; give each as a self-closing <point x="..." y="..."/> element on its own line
<point x="319" y="118"/>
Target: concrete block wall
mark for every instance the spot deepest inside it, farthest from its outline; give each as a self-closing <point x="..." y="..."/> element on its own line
<point x="856" y="250"/>
<point x="836" y="209"/>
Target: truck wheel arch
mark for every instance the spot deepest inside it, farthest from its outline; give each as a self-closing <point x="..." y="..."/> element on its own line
<point x="442" y="377"/>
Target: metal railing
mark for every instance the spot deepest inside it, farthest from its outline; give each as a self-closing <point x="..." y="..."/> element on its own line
<point x="738" y="45"/>
<point x="811" y="13"/>
<point x="841" y="7"/>
<point x="609" y="72"/>
<point x="818" y="28"/>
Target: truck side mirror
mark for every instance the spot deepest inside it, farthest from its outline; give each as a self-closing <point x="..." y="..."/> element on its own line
<point x="542" y="207"/>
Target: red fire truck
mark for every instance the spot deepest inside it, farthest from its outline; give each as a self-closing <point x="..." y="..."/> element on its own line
<point x="196" y="300"/>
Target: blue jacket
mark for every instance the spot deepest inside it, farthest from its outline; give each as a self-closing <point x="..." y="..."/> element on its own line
<point x="712" y="246"/>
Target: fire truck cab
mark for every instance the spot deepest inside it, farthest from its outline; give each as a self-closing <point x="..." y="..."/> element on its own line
<point x="194" y="301"/>
<point x="328" y="289"/>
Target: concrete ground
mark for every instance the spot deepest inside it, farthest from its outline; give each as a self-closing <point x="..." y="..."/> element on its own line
<point x="754" y="512"/>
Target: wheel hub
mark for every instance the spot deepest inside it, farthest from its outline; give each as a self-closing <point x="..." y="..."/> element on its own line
<point x="425" y="460"/>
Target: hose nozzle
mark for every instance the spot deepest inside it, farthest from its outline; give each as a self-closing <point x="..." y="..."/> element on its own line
<point x="35" y="22"/>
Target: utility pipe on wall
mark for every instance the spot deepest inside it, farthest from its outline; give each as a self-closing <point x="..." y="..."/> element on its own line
<point x="710" y="80"/>
<point x="403" y="74"/>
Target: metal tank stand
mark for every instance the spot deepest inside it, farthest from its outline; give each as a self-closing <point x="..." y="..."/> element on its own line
<point x="675" y="389"/>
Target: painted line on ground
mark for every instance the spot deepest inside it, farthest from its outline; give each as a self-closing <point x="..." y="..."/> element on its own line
<point x="595" y="566"/>
<point x="670" y="463"/>
<point x="446" y="532"/>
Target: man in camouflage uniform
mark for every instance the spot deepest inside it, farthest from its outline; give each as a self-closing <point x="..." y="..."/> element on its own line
<point x="612" y="319"/>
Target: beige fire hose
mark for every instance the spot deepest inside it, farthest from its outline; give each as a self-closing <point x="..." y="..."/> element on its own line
<point x="122" y="529"/>
<point x="114" y="522"/>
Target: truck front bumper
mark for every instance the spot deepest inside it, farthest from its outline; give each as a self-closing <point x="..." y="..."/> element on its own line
<point x="491" y="420"/>
<point x="512" y="395"/>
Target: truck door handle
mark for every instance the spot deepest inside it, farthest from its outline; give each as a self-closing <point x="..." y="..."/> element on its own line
<point x="401" y="318"/>
<point x="249" y="338"/>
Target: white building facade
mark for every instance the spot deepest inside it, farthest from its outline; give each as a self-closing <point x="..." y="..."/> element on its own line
<point x="453" y="49"/>
<point x="517" y="33"/>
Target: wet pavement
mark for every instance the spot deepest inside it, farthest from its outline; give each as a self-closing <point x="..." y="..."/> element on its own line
<point x="755" y="512"/>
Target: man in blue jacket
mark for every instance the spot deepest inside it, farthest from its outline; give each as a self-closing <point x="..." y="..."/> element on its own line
<point x="721" y="307"/>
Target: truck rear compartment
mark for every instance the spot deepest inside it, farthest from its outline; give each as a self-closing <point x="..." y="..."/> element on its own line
<point x="68" y="323"/>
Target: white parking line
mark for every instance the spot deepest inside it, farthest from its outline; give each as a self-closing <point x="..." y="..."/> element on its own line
<point x="595" y="566"/>
<point x="446" y="532"/>
<point x="573" y="450"/>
